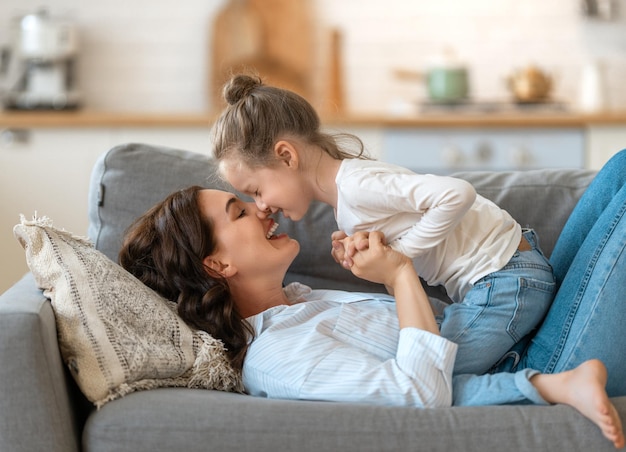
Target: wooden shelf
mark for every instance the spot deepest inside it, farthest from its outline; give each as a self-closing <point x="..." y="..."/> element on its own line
<point x="87" y="118"/>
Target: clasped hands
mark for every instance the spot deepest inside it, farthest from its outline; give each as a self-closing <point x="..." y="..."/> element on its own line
<point x="367" y="255"/>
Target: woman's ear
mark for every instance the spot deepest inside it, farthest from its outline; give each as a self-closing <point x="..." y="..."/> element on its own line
<point x="220" y="268"/>
<point x="286" y="153"/>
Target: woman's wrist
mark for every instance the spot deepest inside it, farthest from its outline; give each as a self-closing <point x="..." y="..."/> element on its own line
<point x="404" y="274"/>
<point x="413" y="306"/>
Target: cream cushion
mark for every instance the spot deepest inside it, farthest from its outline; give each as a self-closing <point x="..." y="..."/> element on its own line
<point x="116" y="335"/>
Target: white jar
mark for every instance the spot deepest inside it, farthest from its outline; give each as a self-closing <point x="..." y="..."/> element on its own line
<point x="592" y="97"/>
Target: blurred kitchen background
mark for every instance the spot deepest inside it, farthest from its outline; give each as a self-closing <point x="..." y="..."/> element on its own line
<point x="437" y="86"/>
<point x="137" y="55"/>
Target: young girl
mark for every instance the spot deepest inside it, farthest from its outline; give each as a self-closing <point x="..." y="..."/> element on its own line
<point x="270" y="146"/>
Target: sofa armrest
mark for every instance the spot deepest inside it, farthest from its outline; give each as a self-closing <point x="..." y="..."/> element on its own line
<point x="36" y="409"/>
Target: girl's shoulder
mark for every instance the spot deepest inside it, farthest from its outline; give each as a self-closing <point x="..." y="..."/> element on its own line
<point x="361" y="166"/>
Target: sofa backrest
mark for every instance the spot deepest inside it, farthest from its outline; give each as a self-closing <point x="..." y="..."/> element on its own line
<point x="540" y="199"/>
<point x="130" y="178"/>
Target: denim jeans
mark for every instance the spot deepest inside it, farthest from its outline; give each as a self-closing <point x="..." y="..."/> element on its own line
<point x="495" y="389"/>
<point x="499" y="310"/>
<point x="586" y="319"/>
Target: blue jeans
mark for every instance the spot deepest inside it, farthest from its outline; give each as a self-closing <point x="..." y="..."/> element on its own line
<point x="496" y="389"/>
<point x="499" y="310"/>
<point x="586" y="319"/>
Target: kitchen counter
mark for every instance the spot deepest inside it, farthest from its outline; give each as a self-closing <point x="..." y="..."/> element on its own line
<point x="88" y="118"/>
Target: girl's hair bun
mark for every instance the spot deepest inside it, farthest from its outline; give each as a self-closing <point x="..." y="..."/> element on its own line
<point x="239" y="87"/>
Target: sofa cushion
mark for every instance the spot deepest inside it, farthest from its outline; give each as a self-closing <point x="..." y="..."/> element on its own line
<point x="539" y="199"/>
<point x="174" y="419"/>
<point x="115" y="334"/>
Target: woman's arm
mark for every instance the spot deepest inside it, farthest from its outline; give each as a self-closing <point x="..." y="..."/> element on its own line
<point x="346" y="366"/>
<point x="377" y="262"/>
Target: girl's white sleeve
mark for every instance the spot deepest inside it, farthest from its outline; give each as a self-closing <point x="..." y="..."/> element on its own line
<point x="440" y="201"/>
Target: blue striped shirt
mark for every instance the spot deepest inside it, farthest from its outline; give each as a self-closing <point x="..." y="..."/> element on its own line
<point x="346" y="347"/>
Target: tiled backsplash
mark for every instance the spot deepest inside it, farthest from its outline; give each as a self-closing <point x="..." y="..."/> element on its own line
<point x="140" y="55"/>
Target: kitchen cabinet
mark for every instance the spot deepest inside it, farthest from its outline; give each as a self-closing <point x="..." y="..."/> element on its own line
<point x="446" y="150"/>
<point x="371" y="136"/>
<point x="44" y="171"/>
<point x="196" y="139"/>
<point x="47" y="171"/>
<point x="602" y="142"/>
<point x="454" y="149"/>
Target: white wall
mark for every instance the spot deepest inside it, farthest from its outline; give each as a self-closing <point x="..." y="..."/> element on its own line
<point x="153" y="56"/>
<point x="494" y="37"/>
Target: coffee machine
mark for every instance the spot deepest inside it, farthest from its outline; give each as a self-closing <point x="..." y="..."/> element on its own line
<point x="39" y="66"/>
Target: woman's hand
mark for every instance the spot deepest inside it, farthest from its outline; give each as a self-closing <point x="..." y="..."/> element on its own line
<point x="375" y="261"/>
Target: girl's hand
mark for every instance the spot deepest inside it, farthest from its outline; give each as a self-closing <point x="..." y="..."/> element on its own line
<point x="344" y="246"/>
<point x="377" y="262"/>
<point x="338" y="251"/>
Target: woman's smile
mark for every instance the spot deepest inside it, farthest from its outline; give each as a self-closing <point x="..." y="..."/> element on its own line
<point x="270" y="233"/>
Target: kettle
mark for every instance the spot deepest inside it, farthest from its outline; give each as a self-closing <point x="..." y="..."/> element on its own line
<point x="530" y="84"/>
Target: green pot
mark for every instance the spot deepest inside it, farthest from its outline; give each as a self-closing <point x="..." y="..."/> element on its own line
<point x="447" y="84"/>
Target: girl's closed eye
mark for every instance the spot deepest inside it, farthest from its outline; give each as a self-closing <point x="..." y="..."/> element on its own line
<point x="242" y="213"/>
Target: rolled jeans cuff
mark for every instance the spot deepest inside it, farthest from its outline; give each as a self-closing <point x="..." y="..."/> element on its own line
<point x="522" y="381"/>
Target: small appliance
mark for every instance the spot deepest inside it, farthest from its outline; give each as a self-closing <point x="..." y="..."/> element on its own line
<point x="39" y="66"/>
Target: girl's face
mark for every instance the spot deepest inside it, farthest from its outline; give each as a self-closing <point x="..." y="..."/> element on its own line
<point x="246" y="244"/>
<point x="281" y="187"/>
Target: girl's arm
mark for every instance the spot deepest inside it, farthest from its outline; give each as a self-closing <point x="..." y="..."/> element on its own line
<point x="422" y="209"/>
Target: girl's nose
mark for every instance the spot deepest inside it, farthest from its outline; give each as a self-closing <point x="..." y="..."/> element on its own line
<point x="263" y="213"/>
<point x="260" y="204"/>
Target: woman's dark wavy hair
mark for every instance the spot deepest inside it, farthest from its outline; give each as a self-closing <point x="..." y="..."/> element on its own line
<point x="165" y="249"/>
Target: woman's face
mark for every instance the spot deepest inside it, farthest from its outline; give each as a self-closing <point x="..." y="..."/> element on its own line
<point x="246" y="243"/>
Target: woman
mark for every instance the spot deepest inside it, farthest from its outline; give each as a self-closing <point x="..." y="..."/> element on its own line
<point x="218" y="257"/>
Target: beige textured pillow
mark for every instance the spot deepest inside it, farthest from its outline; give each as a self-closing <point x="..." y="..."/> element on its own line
<point x="115" y="334"/>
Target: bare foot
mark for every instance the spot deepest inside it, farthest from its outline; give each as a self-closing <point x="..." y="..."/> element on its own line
<point x="584" y="389"/>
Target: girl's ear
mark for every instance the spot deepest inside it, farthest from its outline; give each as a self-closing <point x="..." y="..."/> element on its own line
<point x="286" y="153"/>
<point x="214" y="266"/>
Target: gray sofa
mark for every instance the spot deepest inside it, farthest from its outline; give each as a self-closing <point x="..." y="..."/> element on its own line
<point x="41" y="408"/>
